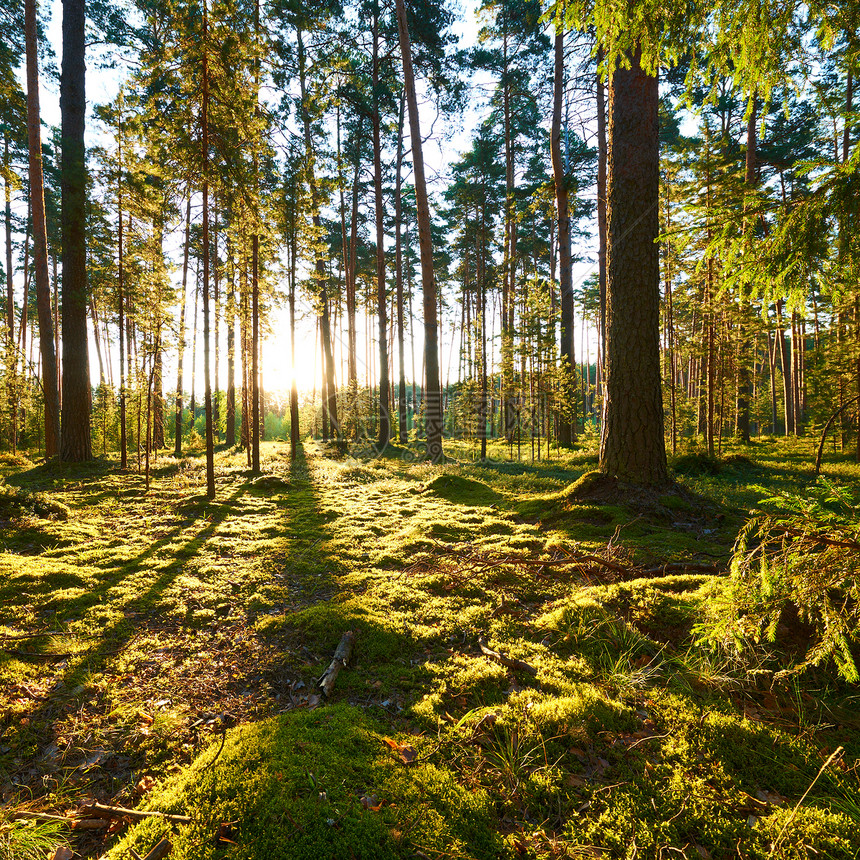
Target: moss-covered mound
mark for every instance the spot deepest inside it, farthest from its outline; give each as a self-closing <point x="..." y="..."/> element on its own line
<point x="456" y="488"/>
<point x="15" y="502"/>
<point x="311" y="784"/>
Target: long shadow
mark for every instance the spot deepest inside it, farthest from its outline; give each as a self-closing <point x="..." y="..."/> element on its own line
<point x="216" y="511"/>
<point x="116" y="636"/>
<point x="320" y="599"/>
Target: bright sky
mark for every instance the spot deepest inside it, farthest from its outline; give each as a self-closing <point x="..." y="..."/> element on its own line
<point x="102" y="87"/>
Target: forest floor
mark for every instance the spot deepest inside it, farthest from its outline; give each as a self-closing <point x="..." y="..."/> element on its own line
<point x="160" y="652"/>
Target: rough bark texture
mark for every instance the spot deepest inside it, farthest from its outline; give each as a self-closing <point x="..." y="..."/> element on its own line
<point x="255" y="352"/>
<point x="381" y="296"/>
<point x="601" y="210"/>
<point x="566" y="427"/>
<point x="294" y="391"/>
<point x="230" y="428"/>
<point x="180" y="347"/>
<point x="40" y="239"/>
<point x="207" y="378"/>
<point x="432" y="393"/>
<point x="10" y="286"/>
<point x="75" y="442"/>
<point x="632" y="445"/>
<point x="398" y="268"/>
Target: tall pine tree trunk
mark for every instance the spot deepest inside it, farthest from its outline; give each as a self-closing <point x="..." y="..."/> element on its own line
<point x="75" y="442"/>
<point x="601" y="212"/>
<point x="207" y="380"/>
<point x="255" y="351"/>
<point x="294" y="391"/>
<point x="567" y="429"/>
<point x="40" y="239"/>
<point x="177" y="448"/>
<point x="432" y="394"/>
<point x="230" y="426"/>
<point x="632" y="444"/>
<point x="398" y="269"/>
<point x="384" y="434"/>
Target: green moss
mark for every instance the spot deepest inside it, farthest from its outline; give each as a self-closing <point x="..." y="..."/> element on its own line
<point x="305" y="774"/>
<point x="456" y="488"/>
<point x="629" y="734"/>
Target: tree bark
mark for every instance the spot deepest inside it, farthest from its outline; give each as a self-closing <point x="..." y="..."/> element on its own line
<point x="294" y="391"/>
<point x="230" y="425"/>
<point x="207" y="380"/>
<point x="384" y="434"/>
<point x="432" y="394"/>
<point x="177" y="448"/>
<point x="255" y="350"/>
<point x="632" y="444"/>
<point x="40" y="238"/>
<point x="601" y="211"/>
<point x="398" y="266"/>
<point x="75" y="441"/>
<point x="566" y="428"/>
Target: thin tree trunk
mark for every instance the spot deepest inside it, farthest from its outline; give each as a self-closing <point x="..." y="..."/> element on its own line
<point x="384" y="435"/>
<point x="294" y="392"/>
<point x="255" y="349"/>
<point x="601" y="210"/>
<point x="177" y="448"/>
<point x="40" y="239"/>
<point x="398" y="264"/>
<point x="432" y="400"/>
<point x="567" y="419"/>
<point x="123" y="428"/>
<point x="230" y="428"/>
<point x="207" y="383"/>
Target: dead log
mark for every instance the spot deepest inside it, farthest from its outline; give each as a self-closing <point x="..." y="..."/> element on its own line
<point x="507" y="662"/>
<point x="102" y="810"/>
<point x="340" y="659"/>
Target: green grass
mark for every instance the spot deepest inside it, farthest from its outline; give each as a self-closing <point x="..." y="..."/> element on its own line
<point x="153" y="614"/>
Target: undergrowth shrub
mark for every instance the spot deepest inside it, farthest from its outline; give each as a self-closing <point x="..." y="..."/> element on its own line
<point x="15" y="502"/>
<point x="800" y="564"/>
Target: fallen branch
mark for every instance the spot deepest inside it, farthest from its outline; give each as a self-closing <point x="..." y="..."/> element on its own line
<point x="508" y="662"/>
<point x="162" y="849"/>
<point x="90" y="824"/>
<point x="340" y="659"/>
<point x="23" y="814"/>
<point x="102" y="810"/>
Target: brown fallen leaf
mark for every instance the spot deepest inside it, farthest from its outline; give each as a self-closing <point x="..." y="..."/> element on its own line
<point x="62" y="853"/>
<point x="408" y="754"/>
<point x="144" y="786"/>
<point x="369" y="801"/>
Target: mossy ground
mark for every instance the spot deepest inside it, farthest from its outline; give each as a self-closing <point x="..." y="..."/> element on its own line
<point x="175" y="645"/>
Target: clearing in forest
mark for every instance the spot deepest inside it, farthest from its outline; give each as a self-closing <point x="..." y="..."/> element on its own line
<point x="528" y="679"/>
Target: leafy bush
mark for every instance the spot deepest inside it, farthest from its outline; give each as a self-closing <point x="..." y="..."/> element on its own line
<point x="803" y="560"/>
